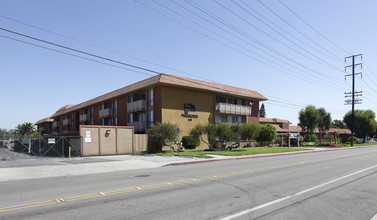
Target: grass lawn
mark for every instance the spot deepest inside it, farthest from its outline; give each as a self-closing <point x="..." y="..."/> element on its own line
<point x="234" y="152"/>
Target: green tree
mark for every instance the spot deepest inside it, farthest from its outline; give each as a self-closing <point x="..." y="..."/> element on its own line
<point x="365" y="123"/>
<point x="199" y="130"/>
<point x="25" y="129"/>
<point x="249" y="131"/>
<point x="337" y="124"/>
<point x="262" y="111"/>
<point x="267" y="134"/>
<point x="230" y="135"/>
<point x="5" y="134"/>
<point x="160" y="134"/>
<point x="308" y="119"/>
<point x="324" y="121"/>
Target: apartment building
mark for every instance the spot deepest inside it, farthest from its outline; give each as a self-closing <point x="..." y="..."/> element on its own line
<point x="162" y="98"/>
<point x="45" y="126"/>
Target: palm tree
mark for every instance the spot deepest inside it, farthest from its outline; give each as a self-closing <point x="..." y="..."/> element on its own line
<point x="25" y="129"/>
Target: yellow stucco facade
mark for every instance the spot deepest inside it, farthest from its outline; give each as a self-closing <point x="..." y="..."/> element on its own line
<point x="173" y="102"/>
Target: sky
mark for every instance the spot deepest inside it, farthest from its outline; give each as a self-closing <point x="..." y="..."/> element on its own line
<point x="292" y="52"/>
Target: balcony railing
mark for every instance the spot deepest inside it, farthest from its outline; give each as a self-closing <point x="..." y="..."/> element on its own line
<point x="106" y="113"/>
<point x="55" y="124"/>
<point x="84" y="117"/>
<point x="227" y="108"/>
<point x="136" y="106"/>
<point x="138" y="125"/>
<point x="67" y="121"/>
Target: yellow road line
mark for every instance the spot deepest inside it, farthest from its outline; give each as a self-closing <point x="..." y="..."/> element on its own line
<point x="171" y="183"/>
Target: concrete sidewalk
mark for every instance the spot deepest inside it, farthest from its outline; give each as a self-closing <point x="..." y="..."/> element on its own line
<point x="59" y="167"/>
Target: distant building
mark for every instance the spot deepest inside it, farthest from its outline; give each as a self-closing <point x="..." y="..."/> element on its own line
<point x="285" y="130"/>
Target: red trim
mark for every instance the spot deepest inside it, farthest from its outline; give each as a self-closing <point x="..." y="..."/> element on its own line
<point x="116" y="140"/>
<point x="82" y="142"/>
<point x="133" y="141"/>
<point x="99" y="141"/>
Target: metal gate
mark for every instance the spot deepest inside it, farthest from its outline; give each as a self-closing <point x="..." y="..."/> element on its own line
<point x="45" y="146"/>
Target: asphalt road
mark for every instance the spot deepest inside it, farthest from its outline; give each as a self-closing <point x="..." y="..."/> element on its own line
<point x="323" y="185"/>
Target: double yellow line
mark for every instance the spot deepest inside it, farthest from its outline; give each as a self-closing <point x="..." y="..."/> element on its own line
<point x="169" y="183"/>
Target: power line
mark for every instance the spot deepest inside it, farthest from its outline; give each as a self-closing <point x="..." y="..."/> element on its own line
<point x="99" y="47"/>
<point x="82" y="57"/>
<point x="245" y="35"/>
<point x="165" y="15"/>
<point x="279" y="33"/>
<point x="285" y="21"/>
<point x="336" y="45"/>
<point x="259" y="29"/>
<point x="287" y="32"/>
<point x="222" y="21"/>
<point x="185" y="80"/>
<point x="74" y="55"/>
<point x="79" y="51"/>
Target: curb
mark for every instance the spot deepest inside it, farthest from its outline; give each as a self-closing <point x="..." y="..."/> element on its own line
<point x="251" y="157"/>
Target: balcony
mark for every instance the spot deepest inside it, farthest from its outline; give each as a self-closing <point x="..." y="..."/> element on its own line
<point x="106" y="113"/>
<point x="55" y="124"/>
<point x="136" y="106"/>
<point x="67" y="121"/>
<point x="138" y="125"/>
<point x="233" y="109"/>
<point x="84" y="118"/>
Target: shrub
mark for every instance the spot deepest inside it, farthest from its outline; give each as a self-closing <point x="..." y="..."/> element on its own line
<point x="311" y="138"/>
<point x="267" y="134"/>
<point x="294" y="141"/>
<point x="355" y="140"/>
<point x="190" y="142"/>
<point x="249" y="131"/>
<point x="160" y="134"/>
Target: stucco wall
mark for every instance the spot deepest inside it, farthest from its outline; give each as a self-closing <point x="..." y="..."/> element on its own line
<point x="108" y="141"/>
<point x="96" y="141"/>
<point x="125" y="141"/>
<point x="91" y="144"/>
<point x="173" y="100"/>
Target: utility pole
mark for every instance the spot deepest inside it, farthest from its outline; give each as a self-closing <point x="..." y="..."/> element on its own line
<point x="354" y="93"/>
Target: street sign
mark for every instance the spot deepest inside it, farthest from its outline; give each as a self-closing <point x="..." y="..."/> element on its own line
<point x="177" y="130"/>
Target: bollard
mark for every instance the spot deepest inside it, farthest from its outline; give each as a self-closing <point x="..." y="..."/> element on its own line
<point x="69" y="151"/>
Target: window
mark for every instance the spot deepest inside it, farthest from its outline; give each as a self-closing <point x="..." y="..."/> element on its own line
<point x="91" y="113"/>
<point x="130" y="99"/>
<point x="150" y="98"/>
<point x="115" y="106"/>
<point x="130" y="118"/>
<point x="220" y="99"/>
<point x="220" y="118"/>
<point x="150" y="118"/>
<point x="232" y="101"/>
<point x="137" y="97"/>
<point x="142" y="117"/>
<point x="234" y="119"/>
